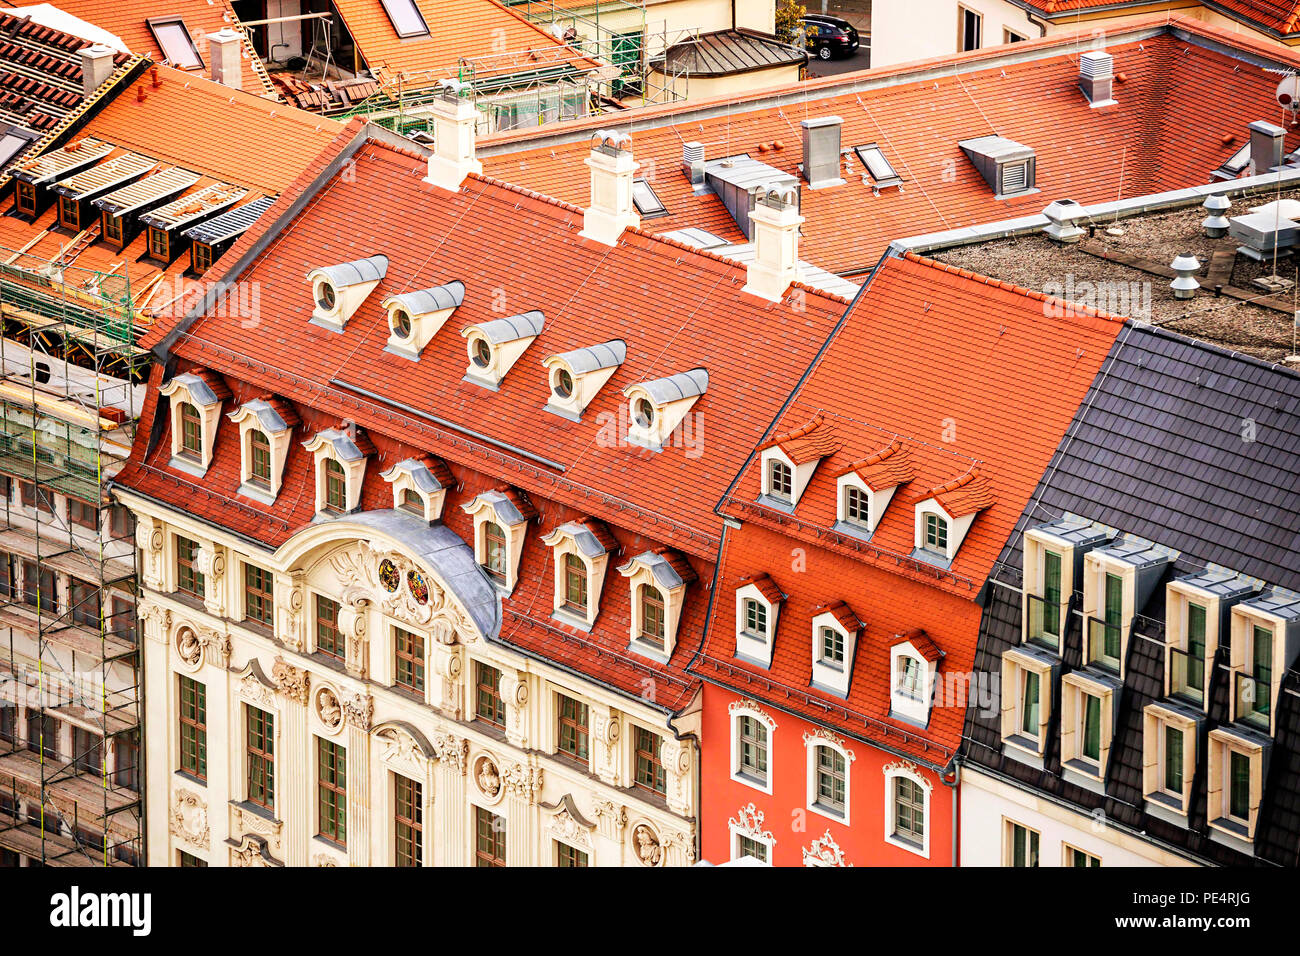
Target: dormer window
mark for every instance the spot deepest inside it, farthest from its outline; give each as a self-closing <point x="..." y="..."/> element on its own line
<point x="944" y="515"/>
<point x="658" y="406"/>
<point x="1027" y="681"/>
<point x="501" y="519"/>
<point x="1169" y="744"/>
<point x="340" y="463"/>
<point x="414" y="318"/>
<point x="1117" y="580"/>
<point x="1265" y="638"/>
<point x="339" y="290"/>
<point x="758" y="605"/>
<point x="1235" y="785"/>
<point x="495" y="346"/>
<point x="835" y="634"/>
<point x="1089" y="704"/>
<point x="196" y="410"/>
<point x="1196" y="621"/>
<point x="1053" y="553"/>
<point x="420" y="486"/>
<point x="265" y="428"/>
<point x="789" y="460"/>
<point x="576" y="377"/>
<point x="581" y="550"/>
<point x="658" y="581"/>
<point x="865" y="488"/>
<point x="913" y="665"/>
<point x="780" y="480"/>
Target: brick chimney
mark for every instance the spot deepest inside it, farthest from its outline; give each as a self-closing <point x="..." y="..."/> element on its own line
<point x="610" y="209"/>
<point x="454" y="120"/>
<point x="96" y="67"/>
<point x="775" y="221"/>
<point x="223" y="53"/>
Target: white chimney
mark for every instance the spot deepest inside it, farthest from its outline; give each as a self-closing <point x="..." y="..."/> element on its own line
<point x="1265" y="146"/>
<point x="223" y="52"/>
<point x="821" y="151"/>
<point x="611" y="209"/>
<point x="775" y="222"/>
<point x="96" y="67"/>
<point x="1097" y="77"/>
<point x="454" y="120"/>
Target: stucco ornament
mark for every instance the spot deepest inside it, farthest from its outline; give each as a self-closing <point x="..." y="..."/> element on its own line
<point x="188" y="646"/>
<point x="401" y="750"/>
<point x="487" y="776"/>
<point x="451" y="750"/>
<point x="359" y="711"/>
<point x="400" y="589"/>
<point x="824" y="851"/>
<point x="294" y="682"/>
<point x="189" y="818"/>
<point x="523" y="781"/>
<point x="646" y="845"/>
<point x="749" y="821"/>
<point x="329" y="709"/>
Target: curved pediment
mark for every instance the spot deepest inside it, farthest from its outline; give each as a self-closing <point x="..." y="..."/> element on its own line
<point x="420" y="573"/>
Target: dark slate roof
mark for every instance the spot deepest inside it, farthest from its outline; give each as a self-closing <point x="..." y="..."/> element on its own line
<point x="731" y="51"/>
<point x="230" y="224"/>
<point x="1198" y="450"/>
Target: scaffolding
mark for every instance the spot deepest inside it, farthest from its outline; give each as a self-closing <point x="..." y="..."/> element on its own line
<point x="71" y="755"/>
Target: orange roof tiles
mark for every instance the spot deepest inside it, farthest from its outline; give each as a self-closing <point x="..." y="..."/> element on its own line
<point x="956" y="372"/>
<point x="503" y="40"/>
<point x="1280" y="16"/>
<point x="962" y="496"/>
<point x="889" y="467"/>
<point x="921" y="641"/>
<point x="808" y="442"/>
<point x="128" y="20"/>
<point x="1156" y="137"/>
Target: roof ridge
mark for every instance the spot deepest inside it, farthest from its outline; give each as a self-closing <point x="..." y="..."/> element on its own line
<point x="959" y="482"/>
<point x="1012" y="287"/>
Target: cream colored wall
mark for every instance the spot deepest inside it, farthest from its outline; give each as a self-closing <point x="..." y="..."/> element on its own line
<point x="696" y="88"/>
<point x="896" y="39"/>
<point x="207" y="819"/>
<point x="986" y="802"/>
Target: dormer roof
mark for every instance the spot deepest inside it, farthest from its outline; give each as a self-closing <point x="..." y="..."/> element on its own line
<point x="348" y="447"/>
<point x="344" y="274"/>
<point x="809" y="442"/>
<point x="766" y="587"/>
<point x="447" y="296"/>
<point x="510" y="505"/>
<point x="592" y="358"/>
<point x="962" y="496"/>
<point x="273" y="415"/>
<point x="845" y="616"/>
<point x="592" y="537"/>
<point x="512" y="328"/>
<point x="429" y="474"/>
<point x="888" y="467"/>
<point x="669" y="568"/>
<point x="205" y="387"/>
<point x="676" y="387"/>
<point x="926" y="647"/>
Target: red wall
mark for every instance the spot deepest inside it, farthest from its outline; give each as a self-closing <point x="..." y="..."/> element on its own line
<point x="785" y="812"/>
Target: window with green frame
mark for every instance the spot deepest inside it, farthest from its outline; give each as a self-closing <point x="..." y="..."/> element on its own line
<point x="1022" y="847"/>
<point x="1196" y="646"/>
<point x="1076" y="857"/>
<point x="1173" y="775"/>
<point x="260" y="755"/>
<point x="1091" y="707"/>
<point x="1114" y="614"/>
<point x="936" y="533"/>
<point x="332" y="791"/>
<point x="1052" y="594"/>
<point x="1261" y="653"/>
<point x="194" y="727"/>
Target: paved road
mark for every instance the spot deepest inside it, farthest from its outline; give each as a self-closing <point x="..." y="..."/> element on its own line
<point x="859" y="61"/>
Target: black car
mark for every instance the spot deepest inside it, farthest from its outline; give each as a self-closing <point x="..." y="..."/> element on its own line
<point x="829" y="37"/>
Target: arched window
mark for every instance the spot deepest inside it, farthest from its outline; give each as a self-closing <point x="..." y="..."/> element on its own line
<point x="494" y="551"/>
<point x="756" y="618"/>
<point x="936" y="534"/>
<point x="780" y="482"/>
<point x="575" y="583"/>
<point x="336" y="487"/>
<point x="857" y="506"/>
<point x="652" y="615"/>
<point x="191" y="432"/>
<point x="259" y="458"/>
<point x="830" y="791"/>
<point x="910" y="677"/>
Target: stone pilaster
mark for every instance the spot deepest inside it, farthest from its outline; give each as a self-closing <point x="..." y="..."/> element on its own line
<point x="678" y="764"/>
<point x="295" y="780"/>
<point x="450" y="806"/>
<point x="352" y="625"/>
<point x="605" y="731"/>
<point x="358" y="712"/>
<point x="523" y="785"/>
<point x="445" y="665"/>
<point x="514" y="693"/>
<point x="211" y="562"/>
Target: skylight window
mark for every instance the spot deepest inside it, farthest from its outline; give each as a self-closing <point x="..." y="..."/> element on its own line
<point x="647" y="203"/>
<point x="406" y="18"/>
<point x="176" y="43"/>
<point x="10" y="146"/>
<point x="878" y="167"/>
<point x="1236" y="164"/>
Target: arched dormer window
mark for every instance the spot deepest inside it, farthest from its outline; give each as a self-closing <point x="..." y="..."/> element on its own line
<point x="196" y="399"/>
<point x="259" y="458"/>
<point x="191" y="432"/>
<point x="336" y="487"/>
<point x="501" y="519"/>
<point x="652" y="616"/>
<point x="780" y="480"/>
<point x="340" y="457"/>
<point x="658" y="581"/>
<point x="495" y="553"/>
<point x="581" y="551"/>
<point x="265" y="429"/>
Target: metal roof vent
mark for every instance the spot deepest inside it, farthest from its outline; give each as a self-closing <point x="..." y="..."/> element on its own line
<point x="1216" y="223"/>
<point x="1185" y="285"/>
<point x="1097" y="77"/>
<point x="693" y="162"/>
<point x="1007" y="166"/>
<point x="1063" y="217"/>
<point x="821" y="151"/>
<point x="1267" y="229"/>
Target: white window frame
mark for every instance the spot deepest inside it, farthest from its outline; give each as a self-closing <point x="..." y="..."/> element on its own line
<point x="1222" y="742"/>
<point x="749" y="823"/>
<point x="909" y="771"/>
<point x="1074" y="686"/>
<point x="1015" y="664"/>
<point x="748" y="644"/>
<point x="811" y="743"/>
<point x="903" y="705"/>
<point x="826" y="675"/>
<point x="749" y="709"/>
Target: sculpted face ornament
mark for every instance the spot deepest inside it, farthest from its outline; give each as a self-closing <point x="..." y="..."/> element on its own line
<point x="646" y="844"/>
<point x="489" y="778"/>
<point x="188" y="646"/>
<point x="329" y="709"/>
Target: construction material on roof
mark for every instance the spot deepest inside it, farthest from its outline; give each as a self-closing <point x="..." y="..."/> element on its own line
<point x="106" y="175"/>
<point x="75" y="156"/>
<point x="186" y="209"/>
<point x="230" y="224"/>
<point x="142" y="192"/>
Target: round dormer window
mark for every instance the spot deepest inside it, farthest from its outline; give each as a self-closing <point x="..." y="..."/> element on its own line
<point x="562" y="383"/>
<point x="325" y="296"/>
<point x="643" y="411"/>
<point x="402" y="323"/>
<point x="480" y="353"/>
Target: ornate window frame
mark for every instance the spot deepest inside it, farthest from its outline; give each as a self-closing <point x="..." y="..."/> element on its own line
<point x="750" y="708"/>
<point x="580" y="539"/>
<point x="423" y="476"/>
<point x="653" y="569"/>
<point x="822" y="737"/>
<point x="904" y="768"/>
<point x="748" y="822"/>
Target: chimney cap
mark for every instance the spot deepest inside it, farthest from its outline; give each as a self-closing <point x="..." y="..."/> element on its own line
<point x="1217" y="202"/>
<point x="820" y="121"/>
<point x="452" y="89"/>
<point x="611" y="142"/>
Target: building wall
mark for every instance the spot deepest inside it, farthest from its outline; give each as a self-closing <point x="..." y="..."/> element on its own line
<point x="461" y="763"/>
<point x="786" y="817"/>
<point x="895" y="38"/>
<point x="695" y="88"/>
<point x="987" y="804"/>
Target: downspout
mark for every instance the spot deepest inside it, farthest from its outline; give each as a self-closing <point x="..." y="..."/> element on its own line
<point x="956" y="794"/>
<point x="1042" y="25"/>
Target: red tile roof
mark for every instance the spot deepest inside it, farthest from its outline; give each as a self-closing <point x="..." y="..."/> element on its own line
<point x="963" y="372"/>
<point x="675" y="308"/>
<point x="889" y="467"/>
<point x="962" y="496"/>
<point x="809" y="442"/>
<point x="128" y="20"/>
<point x="1157" y="137"/>
<point x="766" y="587"/>
<point x="1279" y="16"/>
<point x="498" y="39"/>
<point x="921" y="641"/>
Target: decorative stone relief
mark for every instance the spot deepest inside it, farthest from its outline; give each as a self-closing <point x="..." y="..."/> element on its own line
<point x="906" y="766"/>
<point x="255" y="825"/>
<point x="605" y="729"/>
<point x="328" y="710"/>
<point x="217" y="646"/>
<point x="149" y="536"/>
<point x="447" y="665"/>
<point x="452" y="751"/>
<point x="821" y="733"/>
<point x="611" y="818"/>
<point x="488" y="777"/>
<point x="676" y="757"/>
<point x="294" y="682"/>
<point x="153" y="613"/>
<point x="251" y="851"/>
<point x="289" y="597"/>
<point x="824" y="852"/>
<point x="682" y="842"/>
<point x="749" y="821"/>
<point x="523" y="781"/>
<point x="402" y="590"/>
<point x="567" y="824"/>
<point x="210" y="561"/>
<point x="753" y="707"/>
<point x="189" y="647"/>
<point x="189" y="818"/>
<point x="324" y="859"/>
<point x="359" y="710"/>
<point x="402" y="752"/>
<point x="253" y="689"/>
<point x="647" y="845"/>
